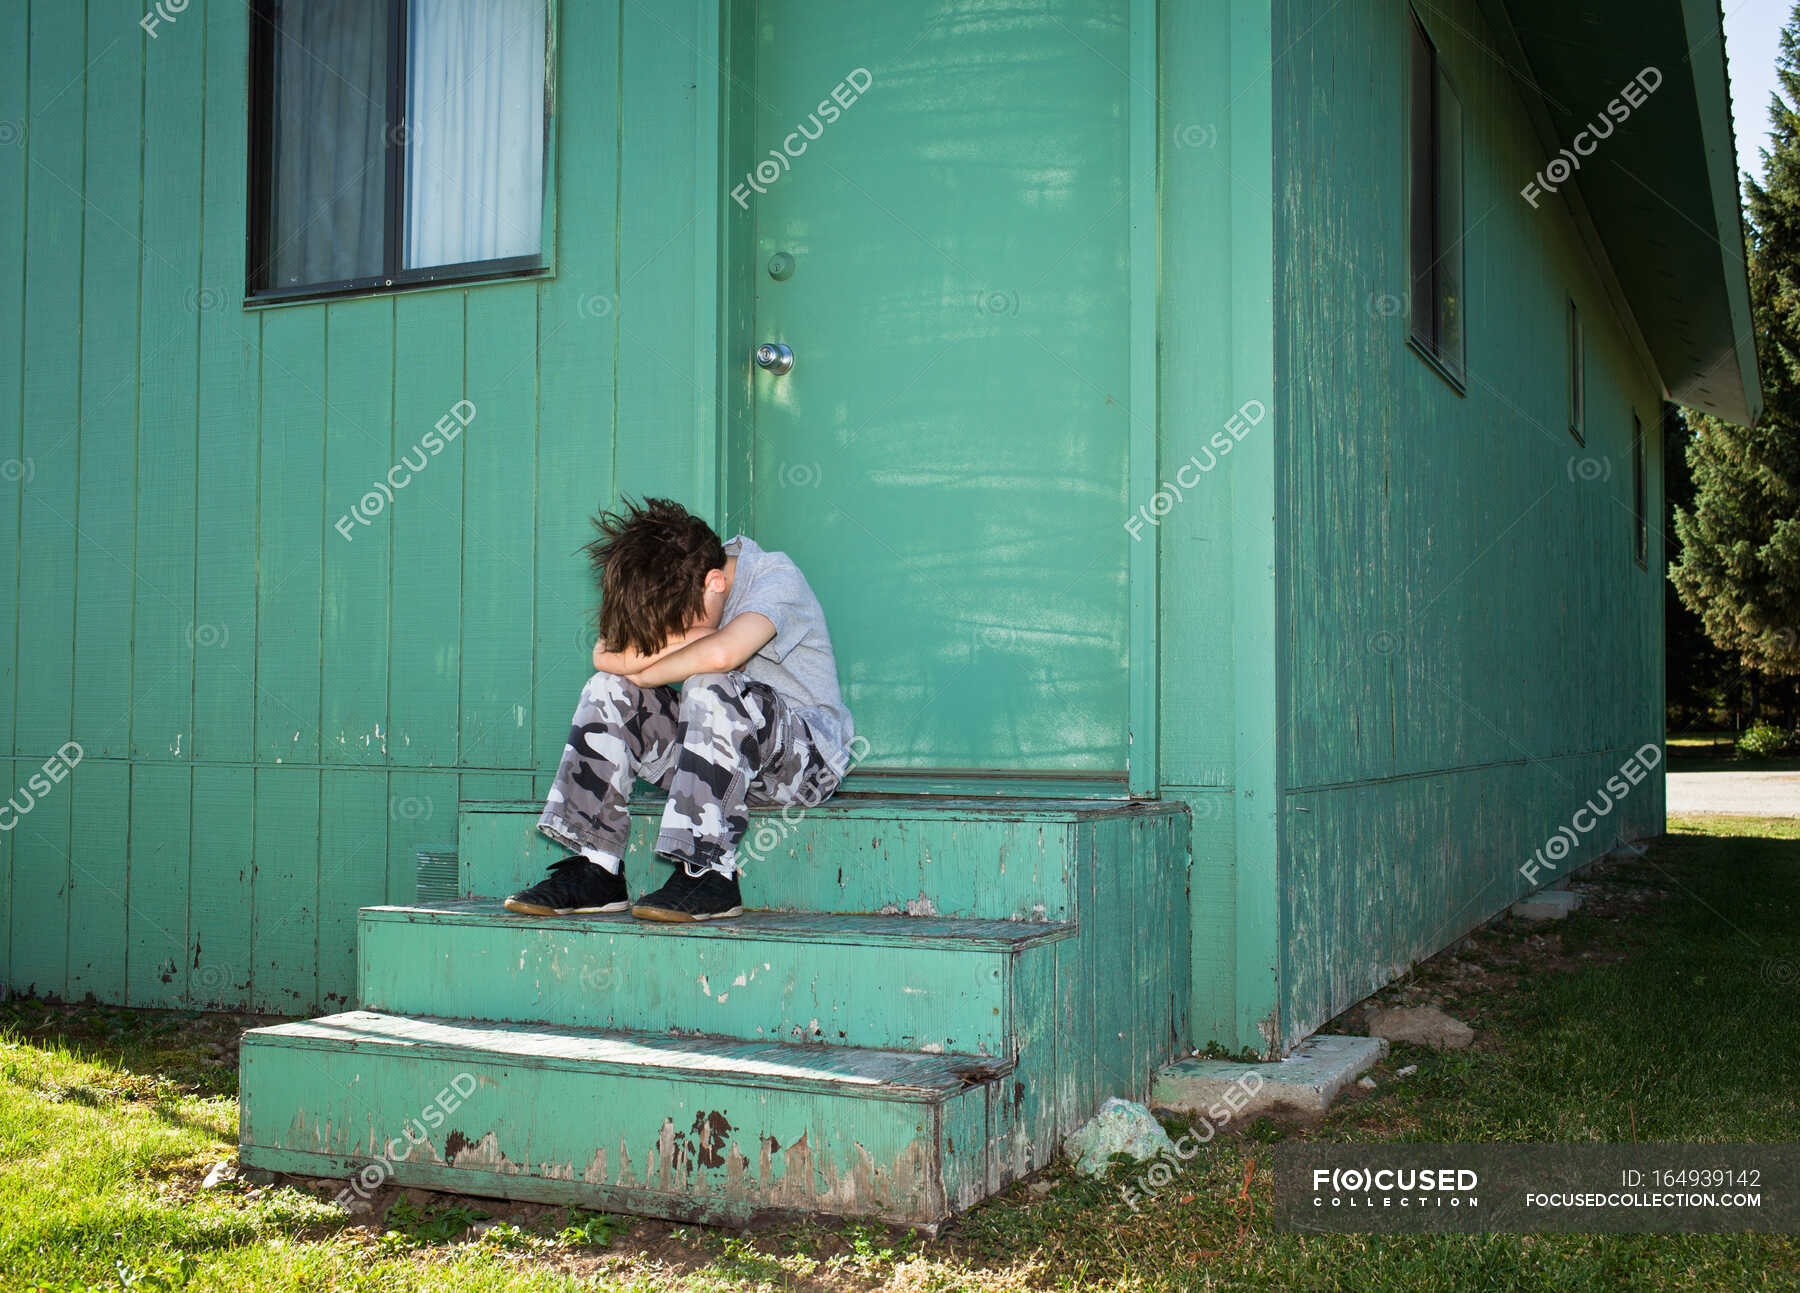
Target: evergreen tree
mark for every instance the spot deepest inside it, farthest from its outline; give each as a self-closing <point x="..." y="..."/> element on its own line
<point x="1703" y="686"/>
<point x="1739" y="565"/>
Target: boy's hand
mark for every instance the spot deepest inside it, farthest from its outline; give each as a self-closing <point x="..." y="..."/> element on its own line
<point x="713" y="652"/>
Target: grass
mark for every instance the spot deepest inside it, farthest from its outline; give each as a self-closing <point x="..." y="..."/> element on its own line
<point x="1665" y="1009"/>
<point x="1718" y="752"/>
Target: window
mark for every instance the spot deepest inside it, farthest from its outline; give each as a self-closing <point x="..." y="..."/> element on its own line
<point x="1435" y="214"/>
<point x="394" y="142"/>
<point x="1577" y="377"/>
<point x="1640" y="539"/>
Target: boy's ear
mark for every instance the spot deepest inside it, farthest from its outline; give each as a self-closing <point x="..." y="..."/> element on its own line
<point x="715" y="580"/>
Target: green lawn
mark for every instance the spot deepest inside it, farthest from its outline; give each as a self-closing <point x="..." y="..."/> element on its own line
<point x="1668" y="1008"/>
<point x="1717" y="752"/>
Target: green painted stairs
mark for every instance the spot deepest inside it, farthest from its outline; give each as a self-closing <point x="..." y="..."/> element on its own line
<point x="934" y="992"/>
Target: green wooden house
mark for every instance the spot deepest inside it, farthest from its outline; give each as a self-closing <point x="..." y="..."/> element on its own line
<point x="1226" y="439"/>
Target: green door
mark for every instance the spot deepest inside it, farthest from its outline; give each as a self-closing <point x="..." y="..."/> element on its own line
<point x="941" y="240"/>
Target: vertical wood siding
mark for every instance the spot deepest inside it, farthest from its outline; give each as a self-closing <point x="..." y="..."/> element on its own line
<point x="273" y="717"/>
<point x="1472" y="648"/>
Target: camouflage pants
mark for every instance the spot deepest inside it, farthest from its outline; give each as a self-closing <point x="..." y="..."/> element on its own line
<point x="719" y="745"/>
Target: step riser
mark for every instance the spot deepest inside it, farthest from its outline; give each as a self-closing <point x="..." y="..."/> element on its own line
<point x="882" y="996"/>
<point x="688" y="1150"/>
<point x="994" y="867"/>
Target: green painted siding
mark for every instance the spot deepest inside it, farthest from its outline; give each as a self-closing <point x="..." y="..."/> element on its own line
<point x="1216" y="592"/>
<point x="1471" y="648"/>
<point x="275" y="718"/>
<point x="1399" y="635"/>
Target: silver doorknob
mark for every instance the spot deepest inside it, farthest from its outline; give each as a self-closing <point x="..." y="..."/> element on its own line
<point x="775" y="357"/>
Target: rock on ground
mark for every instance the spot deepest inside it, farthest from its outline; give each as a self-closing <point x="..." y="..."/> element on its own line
<point x="1422" y="1026"/>
<point x="1121" y="1127"/>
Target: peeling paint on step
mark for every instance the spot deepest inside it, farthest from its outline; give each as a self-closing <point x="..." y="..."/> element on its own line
<point x="484" y="1155"/>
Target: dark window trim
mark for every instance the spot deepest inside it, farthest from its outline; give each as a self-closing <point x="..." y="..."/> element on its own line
<point x="479" y="271"/>
<point x="1577" y="358"/>
<point x="1451" y="377"/>
<point x="1422" y="334"/>
<point x="263" y="32"/>
<point x="1640" y="512"/>
<point x="394" y="142"/>
<point x="260" y="156"/>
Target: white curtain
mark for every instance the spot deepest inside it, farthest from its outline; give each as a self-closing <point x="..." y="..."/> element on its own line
<point x="475" y="130"/>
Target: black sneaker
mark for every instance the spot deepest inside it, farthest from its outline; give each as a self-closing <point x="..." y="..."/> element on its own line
<point x="707" y="896"/>
<point x="574" y="884"/>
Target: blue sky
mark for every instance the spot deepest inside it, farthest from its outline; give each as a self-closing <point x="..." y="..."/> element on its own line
<point x="1752" y="34"/>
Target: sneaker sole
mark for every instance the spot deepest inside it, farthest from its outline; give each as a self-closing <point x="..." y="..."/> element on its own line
<point x="667" y="916"/>
<point x="538" y="909"/>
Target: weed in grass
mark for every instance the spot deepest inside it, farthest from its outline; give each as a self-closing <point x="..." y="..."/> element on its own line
<point x="592" y="1229"/>
<point x="874" y="1249"/>
<point x="409" y="1225"/>
<point x="505" y="1236"/>
<point x="741" y="1260"/>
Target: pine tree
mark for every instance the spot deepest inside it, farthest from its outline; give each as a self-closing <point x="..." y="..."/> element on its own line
<point x="1703" y="686"/>
<point x="1739" y="566"/>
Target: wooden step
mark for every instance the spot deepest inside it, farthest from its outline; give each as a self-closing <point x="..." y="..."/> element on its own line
<point x="965" y="857"/>
<point x="697" y="1129"/>
<point x="891" y="982"/>
<point x="1082" y="998"/>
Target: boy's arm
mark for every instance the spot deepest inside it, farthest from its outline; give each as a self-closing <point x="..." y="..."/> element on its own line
<point x="718" y="652"/>
<point x="628" y="662"/>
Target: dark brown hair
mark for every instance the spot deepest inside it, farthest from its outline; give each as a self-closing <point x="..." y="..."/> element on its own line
<point x="650" y="560"/>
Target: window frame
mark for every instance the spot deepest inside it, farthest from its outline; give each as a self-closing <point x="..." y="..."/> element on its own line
<point x="1577" y="359"/>
<point x="260" y="160"/>
<point x="1423" y="325"/>
<point x="1640" y="509"/>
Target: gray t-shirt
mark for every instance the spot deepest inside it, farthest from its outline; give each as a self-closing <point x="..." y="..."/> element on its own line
<point x="797" y="662"/>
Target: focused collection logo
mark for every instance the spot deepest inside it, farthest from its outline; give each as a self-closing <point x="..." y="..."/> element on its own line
<point x="1395" y="1187"/>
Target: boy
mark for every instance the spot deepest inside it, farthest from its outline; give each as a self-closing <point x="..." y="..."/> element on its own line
<point x="758" y="719"/>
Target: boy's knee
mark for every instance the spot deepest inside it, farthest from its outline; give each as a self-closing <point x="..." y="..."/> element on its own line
<point x="610" y="686"/>
<point x="710" y="682"/>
